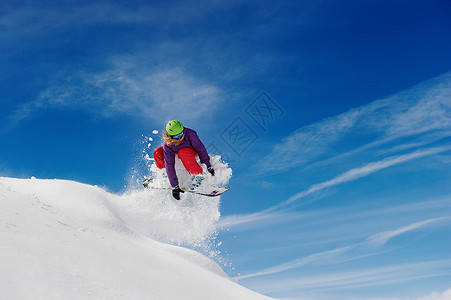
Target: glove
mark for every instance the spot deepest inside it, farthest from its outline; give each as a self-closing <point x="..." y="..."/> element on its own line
<point x="211" y="170"/>
<point x="176" y="192"/>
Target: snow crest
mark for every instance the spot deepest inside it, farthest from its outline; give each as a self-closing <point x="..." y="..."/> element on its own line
<point x="67" y="240"/>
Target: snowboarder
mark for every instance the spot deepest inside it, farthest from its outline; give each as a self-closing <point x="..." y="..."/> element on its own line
<point x="186" y="144"/>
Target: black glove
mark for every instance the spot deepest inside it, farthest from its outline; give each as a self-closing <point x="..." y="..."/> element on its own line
<point x="176" y="192"/>
<point x="211" y="170"/>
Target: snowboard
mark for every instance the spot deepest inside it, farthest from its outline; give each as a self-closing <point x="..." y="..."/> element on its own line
<point x="210" y="191"/>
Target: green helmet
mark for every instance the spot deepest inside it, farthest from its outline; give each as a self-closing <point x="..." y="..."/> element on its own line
<point x="174" y="127"/>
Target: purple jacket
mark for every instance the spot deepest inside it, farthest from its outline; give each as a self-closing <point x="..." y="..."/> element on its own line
<point x="190" y="140"/>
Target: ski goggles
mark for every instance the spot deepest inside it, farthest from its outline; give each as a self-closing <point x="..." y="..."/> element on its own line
<point x="177" y="136"/>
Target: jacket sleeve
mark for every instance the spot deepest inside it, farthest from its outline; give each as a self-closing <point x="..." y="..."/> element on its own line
<point x="169" y="162"/>
<point x="199" y="147"/>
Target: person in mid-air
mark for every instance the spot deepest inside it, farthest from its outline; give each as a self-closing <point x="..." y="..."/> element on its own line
<point x="186" y="144"/>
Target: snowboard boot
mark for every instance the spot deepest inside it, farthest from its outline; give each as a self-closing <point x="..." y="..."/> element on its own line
<point x="147" y="182"/>
<point x="196" y="181"/>
<point x="156" y="178"/>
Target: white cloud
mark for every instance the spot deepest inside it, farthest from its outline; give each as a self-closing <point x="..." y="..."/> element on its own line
<point x="363" y="171"/>
<point x="422" y="110"/>
<point x="379" y="276"/>
<point x="259" y="219"/>
<point x="299" y="262"/>
<point x="131" y="88"/>
<point x="446" y="295"/>
<point x="382" y="238"/>
<point x="39" y="18"/>
<point x="350" y="175"/>
<point x="36" y="18"/>
<point x="156" y="93"/>
<point x="254" y="218"/>
<point x="345" y="253"/>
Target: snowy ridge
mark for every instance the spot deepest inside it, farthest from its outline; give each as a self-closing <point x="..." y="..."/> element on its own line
<point x="67" y="240"/>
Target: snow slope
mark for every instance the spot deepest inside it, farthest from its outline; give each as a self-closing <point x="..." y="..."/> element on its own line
<point x="67" y="240"/>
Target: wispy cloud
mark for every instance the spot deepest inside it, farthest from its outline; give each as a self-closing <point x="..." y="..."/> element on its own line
<point x="363" y="171"/>
<point x="155" y="81"/>
<point x="380" y="276"/>
<point x="382" y="238"/>
<point x="248" y="219"/>
<point x="299" y="262"/>
<point x="350" y="175"/>
<point x="131" y="88"/>
<point x="423" y="109"/>
<point x="39" y="18"/>
<point x="351" y="252"/>
<point x="446" y="295"/>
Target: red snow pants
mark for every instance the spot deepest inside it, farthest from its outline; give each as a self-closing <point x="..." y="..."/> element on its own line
<point x="186" y="155"/>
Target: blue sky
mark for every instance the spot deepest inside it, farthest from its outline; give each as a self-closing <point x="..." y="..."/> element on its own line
<point x="334" y="115"/>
